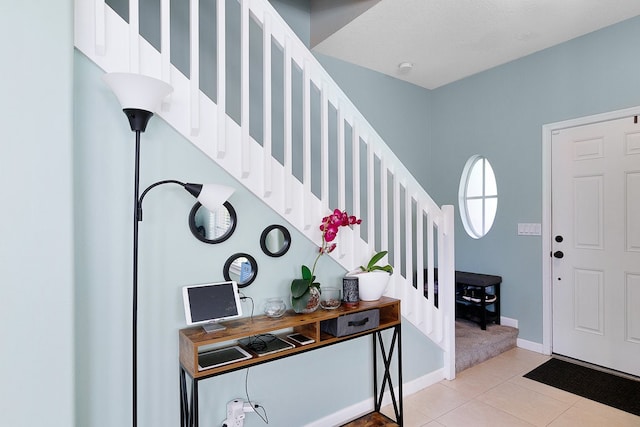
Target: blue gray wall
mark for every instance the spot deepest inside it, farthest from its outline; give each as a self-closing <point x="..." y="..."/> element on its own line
<point x="500" y="113"/>
<point x="36" y="214"/>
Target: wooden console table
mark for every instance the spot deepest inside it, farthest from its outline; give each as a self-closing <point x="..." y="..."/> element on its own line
<point x="192" y="339"/>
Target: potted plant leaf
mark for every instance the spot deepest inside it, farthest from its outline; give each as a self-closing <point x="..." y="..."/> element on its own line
<point x="372" y="265"/>
<point x="305" y="292"/>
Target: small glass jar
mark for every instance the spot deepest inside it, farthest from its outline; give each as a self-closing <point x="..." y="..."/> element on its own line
<point x="275" y="307"/>
<point x="330" y="298"/>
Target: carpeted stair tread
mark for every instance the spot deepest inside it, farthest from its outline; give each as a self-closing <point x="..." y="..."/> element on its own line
<point x="474" y="346"/>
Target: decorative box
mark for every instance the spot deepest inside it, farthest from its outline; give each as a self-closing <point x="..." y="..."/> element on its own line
<point x="349" y="324"/>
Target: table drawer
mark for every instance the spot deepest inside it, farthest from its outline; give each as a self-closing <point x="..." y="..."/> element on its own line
<point x="349" y="324"/>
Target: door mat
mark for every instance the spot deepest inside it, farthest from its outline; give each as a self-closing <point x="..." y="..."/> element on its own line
<point x="612" y="390"/>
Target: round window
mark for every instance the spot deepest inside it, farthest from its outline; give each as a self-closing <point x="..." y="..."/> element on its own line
<point x="478" y="196"/>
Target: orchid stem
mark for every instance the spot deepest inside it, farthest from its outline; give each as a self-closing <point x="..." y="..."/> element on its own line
<point x="313" y="269"/>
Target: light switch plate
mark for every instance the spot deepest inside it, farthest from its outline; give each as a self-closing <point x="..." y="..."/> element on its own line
<point x="529" y="229"/>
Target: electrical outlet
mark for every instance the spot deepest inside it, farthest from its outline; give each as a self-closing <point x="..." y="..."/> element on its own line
<point x="235" y="413"/>
<point x="233" y="423"/>
<point x="236" y="409"/>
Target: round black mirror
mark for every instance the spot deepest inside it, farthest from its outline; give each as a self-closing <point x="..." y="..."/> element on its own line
<point x="275" y="240"/>
<point x="212" y="227"/>
<point x="242" y="268"/>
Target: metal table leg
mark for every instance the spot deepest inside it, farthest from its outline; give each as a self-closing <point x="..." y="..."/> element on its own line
<point x="188" y="407"/>
<point x="387" y="359"/>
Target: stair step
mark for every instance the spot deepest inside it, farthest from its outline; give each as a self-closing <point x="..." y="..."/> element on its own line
<point x="474" y="346"/>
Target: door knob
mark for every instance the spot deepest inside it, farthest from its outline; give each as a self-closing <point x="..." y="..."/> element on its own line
<point x="558" y="254"/>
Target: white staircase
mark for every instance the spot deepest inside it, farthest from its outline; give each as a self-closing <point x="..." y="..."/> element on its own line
<point x="362" y="162"/>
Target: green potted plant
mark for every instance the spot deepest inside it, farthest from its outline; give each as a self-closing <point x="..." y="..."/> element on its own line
<point x="372" y="265"/>
<point x="305" y="292"/>
<point x="372" y="278"/>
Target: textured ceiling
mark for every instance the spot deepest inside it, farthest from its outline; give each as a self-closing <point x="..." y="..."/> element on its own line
<point x="447" y="40"/>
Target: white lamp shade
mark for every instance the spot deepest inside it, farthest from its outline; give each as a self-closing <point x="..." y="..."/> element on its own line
<point x="138" y="91"/>
<point x="212" y="196"/>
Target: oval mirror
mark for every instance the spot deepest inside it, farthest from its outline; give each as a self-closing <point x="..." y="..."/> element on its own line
<point x="275" y="240"/>
<point x="212" y="227"/>
<point x="242" y="268"/>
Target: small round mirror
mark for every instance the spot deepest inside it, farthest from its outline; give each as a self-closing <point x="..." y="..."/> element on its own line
<point x="275" y="240"/>
<point x="242" y="268"/>
<point x="212" y="227"/>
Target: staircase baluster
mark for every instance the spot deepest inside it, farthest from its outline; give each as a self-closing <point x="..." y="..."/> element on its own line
<point x="308" y="216"/>
<point x="324" y="150"/>
<point x="165" y="47"/>
<point x="194" y="67"/>
<point x="134" y="36"/>
<point x="245" y="121"/>
<point x="288" y="127"/>
<point x="266" y="109"/>
<point x="221" y="88"/>
<point x="100" y="29"/>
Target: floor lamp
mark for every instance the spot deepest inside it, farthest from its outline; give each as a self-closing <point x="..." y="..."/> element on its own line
<point x="140" y="96"/>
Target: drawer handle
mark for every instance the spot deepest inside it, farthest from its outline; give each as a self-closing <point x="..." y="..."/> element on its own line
<point x="359" y="322"/>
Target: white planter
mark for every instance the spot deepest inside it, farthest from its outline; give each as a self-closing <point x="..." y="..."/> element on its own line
<point x="371" y="285"/>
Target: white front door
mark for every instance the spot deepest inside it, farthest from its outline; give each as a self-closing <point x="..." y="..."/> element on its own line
<point x="596" y="243"/>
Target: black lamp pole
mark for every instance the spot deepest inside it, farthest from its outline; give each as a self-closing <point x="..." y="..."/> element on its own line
<point x="138" y="95"/>
<point x="138" y="120"/>
<point x="134" y="319"/>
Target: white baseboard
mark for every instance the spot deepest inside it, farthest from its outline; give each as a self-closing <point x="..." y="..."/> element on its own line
<point x="344" y="415"/>
<point x="419" y="384"/>
<point x="521" y="343"/>
<point x="527" y="345"/>
<point x="530" y="345"/>
<point x="357" y="410"/>
<point x="507" y="321"/>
